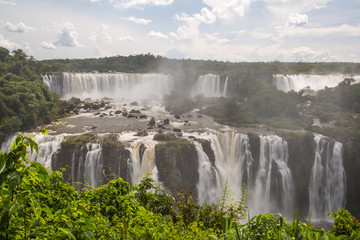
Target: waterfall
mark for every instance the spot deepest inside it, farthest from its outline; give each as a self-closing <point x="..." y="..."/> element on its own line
<point x="328" y="179"/>
<point x="225" y="87"/>
<point x="209" y="184"/>
<point x="288" y="83"/>
<point x="47" y="145"/>
<point x="142" y="161"/>
<point x="93" y="165"/>
<point x="142" y="156"/>
<point x="273" y="190"/>
<point x="130" y="86"/>
<point x="232" y="158"/>
<point x="208" y="85"/>
<point x="269" y="181"/>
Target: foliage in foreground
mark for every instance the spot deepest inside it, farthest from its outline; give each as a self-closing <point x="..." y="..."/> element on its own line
<point x="36" y="204"/>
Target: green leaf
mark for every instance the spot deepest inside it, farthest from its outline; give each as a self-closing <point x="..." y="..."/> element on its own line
<point x="67" y="232"/>
<point x="89" y="234"/>
<point x="44" y="131"/>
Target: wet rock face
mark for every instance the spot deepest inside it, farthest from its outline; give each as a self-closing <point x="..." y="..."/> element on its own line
<point x="301" y="159"/>
<point x="115" y="157"/>
<point x="206" y="145"/>
<point x="177" y="165"/>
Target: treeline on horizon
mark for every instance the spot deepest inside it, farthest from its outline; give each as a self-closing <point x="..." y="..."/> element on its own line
<point x="149" y="63"/>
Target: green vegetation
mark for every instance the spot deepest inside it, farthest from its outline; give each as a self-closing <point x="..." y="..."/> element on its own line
<point x="25" y="102"/>
<point x="37" y="204"/>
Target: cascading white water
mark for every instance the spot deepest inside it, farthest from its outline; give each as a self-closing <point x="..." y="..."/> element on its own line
<point x="232" y="159"/>
<point x="209" y="180"/>
<point x="269" y="183"/>
<point x="130" y="86"/>
<point x="328" y="179"/>
<point x="142" y="159"/>
<point x="272" y="192"/>
<point x="47" y="145"/>
<point x="288" y="83"/>
<point x="93" y="165"/>
<point x="208" y="85"/>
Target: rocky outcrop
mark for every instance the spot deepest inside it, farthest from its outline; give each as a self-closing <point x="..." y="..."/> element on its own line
<point x="177" y="164"/>
<point x="115" y="157"/>
<point x="300" y="161"/>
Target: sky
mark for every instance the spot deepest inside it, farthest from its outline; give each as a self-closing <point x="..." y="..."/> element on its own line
<point x="223" y="30"/>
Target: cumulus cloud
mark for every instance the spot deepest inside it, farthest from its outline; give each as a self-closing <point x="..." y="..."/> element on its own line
<point x="206" y="16"/>
<point x="153" y="34"/>
<point x="103" y="36"/>
<point x="138" y="20"/>
<point x="48" y="45"/>
<point x="8" y="2"/>
<point x="297" y="20"/>
<point x="7" y="44"/>
<point x="120" y="4"/>
<point x="227" y="9"/>
<point x="19" y="28"/>
<point x="67" y="36"/>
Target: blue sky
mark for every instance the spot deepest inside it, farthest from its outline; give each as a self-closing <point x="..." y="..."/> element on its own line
<point x="227" y="30"/>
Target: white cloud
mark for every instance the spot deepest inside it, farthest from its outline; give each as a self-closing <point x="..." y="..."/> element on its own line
<point x="297" y="20"/>
<point x="227" y="9"/>
<point x="206" y="16"/>
<point x="344" y="30"/>
<point x="48" y="45"/>
<point x="285" y="7"/>
<point x="67" y="36"/>
<point x="8" y="2"/>
<point x="139" y="3"/>
<point x="103" y="36"/>
<point x="304" y="54"/>
<point x="126" y="38"/>
<point x="138" y="20"/>
<point x="102" y="53"/>
<point x="153" y="34"/>
<point x="20" y="27"/>
<point x="7" y="44"/>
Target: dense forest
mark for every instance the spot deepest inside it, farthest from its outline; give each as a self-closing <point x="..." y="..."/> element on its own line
<point x="150" y="63"/>
<point x="25" y="102"/>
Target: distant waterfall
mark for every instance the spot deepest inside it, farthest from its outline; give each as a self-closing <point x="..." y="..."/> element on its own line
<point x="131" y="86"/>
<point x="209" y="85"/>
<point x="288" y="83"/>
<point x="328" y="179"/>
<point x="273" y="190"/>
<point x="224" y="94"/>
